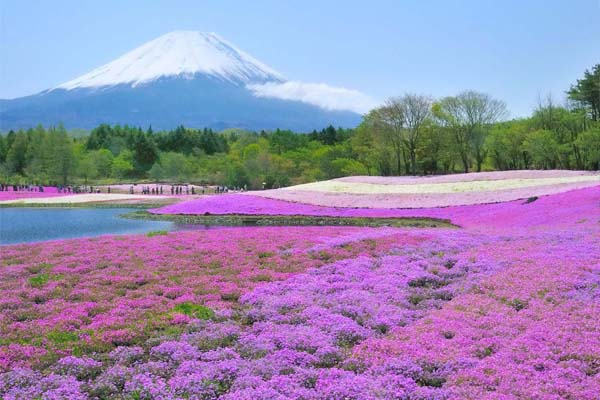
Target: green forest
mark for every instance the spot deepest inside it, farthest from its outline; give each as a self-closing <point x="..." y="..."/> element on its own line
<point x="408" y="135"/>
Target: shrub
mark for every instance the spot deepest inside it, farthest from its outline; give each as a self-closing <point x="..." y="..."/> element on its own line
<point x="232" y="296"/>
<point x="62" y="337"/>
<point x="194" y="310"/>
<point x="261" y="278"/>
<point x="39" y="280"/>
<point x="448" y="334"/>
<point x="518" y="304"/>
<point x="416" y="298"/>
<point x="35" y="269"/>
<point x="449" y="264"/>
<point x="483" y="352"/>
<point x="157" y="233"/>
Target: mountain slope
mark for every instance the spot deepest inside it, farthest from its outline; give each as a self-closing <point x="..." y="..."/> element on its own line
<point x="190" y="78"/>
<point x="169" y="102"/>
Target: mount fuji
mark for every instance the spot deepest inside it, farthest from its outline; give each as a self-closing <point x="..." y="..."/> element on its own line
<point x="187" y="78"/>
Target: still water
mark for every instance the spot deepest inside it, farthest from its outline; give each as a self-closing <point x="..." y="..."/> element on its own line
<point x="21" y="225"/>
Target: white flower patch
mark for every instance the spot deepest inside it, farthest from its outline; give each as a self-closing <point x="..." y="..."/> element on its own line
<point x="441" y="188"/>
<point x="80" y="198"/>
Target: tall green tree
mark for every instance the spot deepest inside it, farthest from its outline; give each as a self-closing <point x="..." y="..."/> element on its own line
<point x="62" y="155"/>
<point x="122" y="165"/>
<point x="589" y="142"/>
<point x="543" y="149"/>
<point x="505" y="145"/>
<point x="39" y="154"/>
<point x="16" y="159"/>
<point x="587" y="92"/>
<point x="145" y="152"/>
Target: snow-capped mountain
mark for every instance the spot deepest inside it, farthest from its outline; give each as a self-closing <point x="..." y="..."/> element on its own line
<point x="186" y="78"/>
<point x="180" y="53"/>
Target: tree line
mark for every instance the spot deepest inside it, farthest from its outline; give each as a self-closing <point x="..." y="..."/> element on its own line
<point x="408" y="135"/>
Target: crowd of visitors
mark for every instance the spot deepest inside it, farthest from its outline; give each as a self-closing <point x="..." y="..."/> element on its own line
<point x="133" y="189"/>
<point x="6" y="187"/>
<point x="178" y="190"/>
<point x="20" y="188"/>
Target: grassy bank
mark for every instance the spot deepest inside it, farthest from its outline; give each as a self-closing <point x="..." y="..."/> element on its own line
<point x="296" y="220"/>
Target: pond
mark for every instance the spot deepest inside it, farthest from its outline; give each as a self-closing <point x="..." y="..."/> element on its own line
<point x="22" y="225"/>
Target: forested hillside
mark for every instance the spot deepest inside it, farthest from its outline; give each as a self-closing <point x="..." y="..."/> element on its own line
<point x="408" y="135"/>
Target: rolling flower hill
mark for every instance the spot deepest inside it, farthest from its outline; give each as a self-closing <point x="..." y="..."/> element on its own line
<point x="390" y="196"/>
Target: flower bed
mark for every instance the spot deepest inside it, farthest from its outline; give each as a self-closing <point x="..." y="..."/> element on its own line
<point x="505" y="308"/>
<point x="418" y="186"/>
<point x="470" y="177"/>
<point x="528" y="331"/>
<point x="288" y="332"/>
<point x="63" y="198"/>
<point x="434" y="191"/>
<point x="520" y="213"/>
<point x="84" y="295"/>
<point x="417" y="200"/>
<point x="387" y="196"/>
<point x="49" y="191"/>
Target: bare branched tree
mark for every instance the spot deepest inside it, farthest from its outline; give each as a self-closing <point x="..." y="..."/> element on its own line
<point x="390" y="120"/>
<point x="416" y="112"/>
<point x="401" y="121"/>
<point x="470" y="115"/>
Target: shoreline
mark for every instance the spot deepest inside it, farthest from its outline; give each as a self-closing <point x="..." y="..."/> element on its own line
<point x="292" y="220"/>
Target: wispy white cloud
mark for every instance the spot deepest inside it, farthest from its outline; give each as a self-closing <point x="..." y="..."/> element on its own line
<point x="319" y="94"/>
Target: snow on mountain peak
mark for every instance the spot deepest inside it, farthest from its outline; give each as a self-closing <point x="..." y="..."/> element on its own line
<point x="179" y="53"/>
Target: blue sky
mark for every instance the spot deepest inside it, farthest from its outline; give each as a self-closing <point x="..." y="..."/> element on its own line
<point x="514" y="50"/>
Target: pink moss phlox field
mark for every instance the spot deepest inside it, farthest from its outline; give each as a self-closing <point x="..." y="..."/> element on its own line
<point x="529" y="331"/>
<point x="49" y="191"/>
<point x="63" y="296"/>
<point x="505" y="308"/>
<point x="292" y="337"/>
<point x="252" y="205"/>
<point x="519" y="213"/>
<point x="469" y="177"/>
<point x="433" y="191"/>
<point x="568" y="211"/>
<point x="414" y="200"/>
